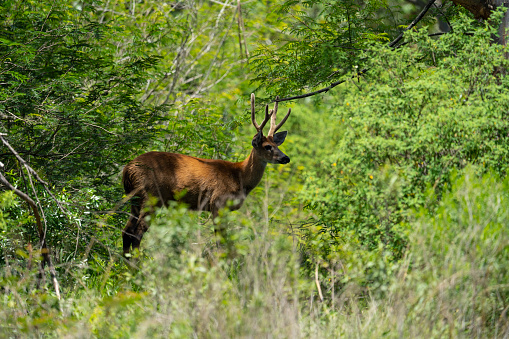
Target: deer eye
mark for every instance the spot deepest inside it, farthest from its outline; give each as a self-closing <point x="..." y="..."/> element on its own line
<point x="267" y="147"/>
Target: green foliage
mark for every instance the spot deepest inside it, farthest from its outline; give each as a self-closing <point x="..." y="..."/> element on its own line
<point x="458" y="260"/>
<point x="450" y="282"/>
<point x="86" y="89"/>
<point x="416" y="116"/>
<point x="87" y="86"/>
<point x="7" y="201"/>
<point x="322" y="43"/>
<point x="64" y="97"/>
<point x="195" y="41"/>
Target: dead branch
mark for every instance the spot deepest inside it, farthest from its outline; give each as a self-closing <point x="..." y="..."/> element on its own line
<point x="317" y="282"/>
<point x="42" y="234"/>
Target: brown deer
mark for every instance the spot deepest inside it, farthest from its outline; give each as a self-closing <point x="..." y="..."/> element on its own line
<point x="202" y="184"/>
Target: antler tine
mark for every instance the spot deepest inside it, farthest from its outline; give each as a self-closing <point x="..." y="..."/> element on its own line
<point x="284" y="120"/>
<point x="267" y="117"/>
<point x="253" y="113"/>
<point x="273" y="119"/>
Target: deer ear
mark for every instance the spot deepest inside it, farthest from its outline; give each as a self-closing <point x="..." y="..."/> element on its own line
<point x="280" y="137"/>
<point x="257" y="140"/>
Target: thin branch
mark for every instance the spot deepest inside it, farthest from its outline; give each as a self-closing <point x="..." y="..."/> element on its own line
<point x="72" y="151"/>
<point x="30" y="202"/>
<point x="391" y="44"/>
<point x="222" y="4"/>
<point x="181" y="54"/>
<point x="413" y="23"/>
<point x="444" y="16"/>
<point x="15" y="116"/>
<point x="42" y="233"/>
<point x="222" y="77"/>
<point x="317" y="282"/>
<point x="240" y="33"/>
<point x="242" y="28"/>
<point x="21" y="160"/>
<point x="213" y="62"/>
<point x="326" y="89"/>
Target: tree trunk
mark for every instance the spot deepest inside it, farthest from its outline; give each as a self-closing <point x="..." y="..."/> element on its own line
<point x="483" y="9"/>
<point x="504" y="25"/>
<point x="480" y="8"/>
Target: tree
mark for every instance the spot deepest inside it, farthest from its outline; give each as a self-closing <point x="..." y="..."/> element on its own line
<point x="86" y="87"/>
<point x="412" y="114"/>
<point x="484" y="9"/>
<point x="323" y="42"/>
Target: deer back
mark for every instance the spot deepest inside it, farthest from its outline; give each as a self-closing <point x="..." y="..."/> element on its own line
<point x="197" y="182"/>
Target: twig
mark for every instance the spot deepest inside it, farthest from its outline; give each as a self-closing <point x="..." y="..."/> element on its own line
<point x="318" y="284"/>
<point x="222" y="4"/>
<point x="30" y="256"/>
<point x="239" y="18"/>
<point x="326" y="89"/>
<point x="177" y="62"/>
<point x="72" y="151"/>
<point x="444" y="16"/>
<point x="44" y="248"/>
<point x="220" y="79"/>
<point x="213" y="62"/>
<point x="21" y="160"/>
<point x="241" y="26"/>
<point x="332" y="287"/>
<point x="42" y="233"/>
<point x="15" y="116"/>
<point x="413" y="23"/>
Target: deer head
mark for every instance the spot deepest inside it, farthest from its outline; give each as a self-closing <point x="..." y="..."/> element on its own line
<point x="267" y="146"/>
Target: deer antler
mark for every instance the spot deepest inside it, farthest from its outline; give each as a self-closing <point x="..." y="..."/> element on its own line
<point x="273" y="127"/>
<point x="259" y="128"/>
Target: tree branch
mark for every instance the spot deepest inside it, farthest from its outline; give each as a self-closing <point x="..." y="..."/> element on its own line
<point x="323" y="90"/>
<point x="31" y="171"/>
<point x="413" y="23"/>
<point x="480" y="9"/>
<point x="317" y="282"/>
<point x="42" y="234"/>
<point x="391" y="44"/>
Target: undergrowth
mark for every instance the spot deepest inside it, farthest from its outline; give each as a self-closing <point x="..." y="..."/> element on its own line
<point x="452" y="281"/>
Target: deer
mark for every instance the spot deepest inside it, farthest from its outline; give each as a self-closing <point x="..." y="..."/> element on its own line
<point x="202" y="184"/>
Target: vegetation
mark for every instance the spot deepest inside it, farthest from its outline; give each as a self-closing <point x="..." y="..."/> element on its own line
<point x="390" y="220"/>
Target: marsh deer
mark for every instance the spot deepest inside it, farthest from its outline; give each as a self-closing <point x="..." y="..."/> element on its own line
<point x="202" y="184"/>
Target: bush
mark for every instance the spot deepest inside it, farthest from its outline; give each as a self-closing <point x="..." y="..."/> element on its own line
<point x="417" y="115"/>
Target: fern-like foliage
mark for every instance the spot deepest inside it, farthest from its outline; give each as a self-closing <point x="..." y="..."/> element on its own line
<point x="322" y="42"/>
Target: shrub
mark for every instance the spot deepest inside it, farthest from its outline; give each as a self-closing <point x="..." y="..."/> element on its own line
<point x="419" y="113"/>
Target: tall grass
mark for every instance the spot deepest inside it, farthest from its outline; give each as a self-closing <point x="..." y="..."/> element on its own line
<point x="452" y="282"/>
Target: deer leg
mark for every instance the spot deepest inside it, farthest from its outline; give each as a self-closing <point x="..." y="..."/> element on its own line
<point x="222" y="237"/>
<point x="219" y="230"/>
<point x="126" y="234"/>
<point x="129" y="232"/>
<point x="141" y="228"/>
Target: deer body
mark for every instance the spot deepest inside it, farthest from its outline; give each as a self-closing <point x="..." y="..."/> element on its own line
<point x="202" y="184"/>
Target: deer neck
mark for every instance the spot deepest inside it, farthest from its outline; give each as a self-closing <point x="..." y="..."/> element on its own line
<point x="252" y="171"/>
